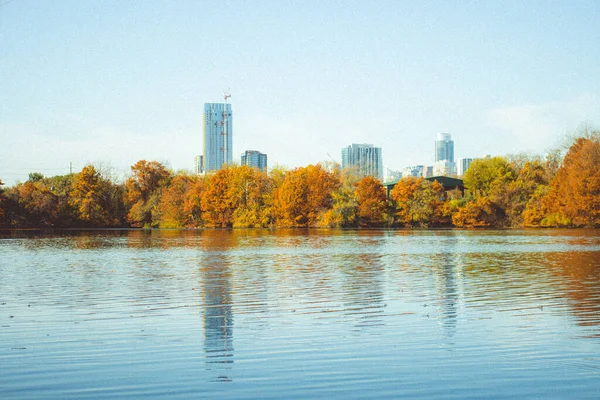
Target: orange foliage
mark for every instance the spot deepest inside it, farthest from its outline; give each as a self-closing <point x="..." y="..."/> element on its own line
<point x="304" y="196"/>
<point x="192" y="203"/>
<point x="480" y="213"/>
<point x="89" y="197"/>
<point x="146" y="178"/>
<point x="418" y="202"/>
<point x="143" y="190"/>
<point x="237" y="197"/>
<point x="372" y="202"/>
<point x="574" y="195"/>
<point x="171" y="205"/>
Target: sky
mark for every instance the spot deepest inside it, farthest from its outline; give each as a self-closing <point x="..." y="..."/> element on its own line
<point x="113" y="82"/>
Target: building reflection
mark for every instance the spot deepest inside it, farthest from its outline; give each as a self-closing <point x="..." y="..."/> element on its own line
<point x="217" y="311"/>
<point x="447" y="274"/>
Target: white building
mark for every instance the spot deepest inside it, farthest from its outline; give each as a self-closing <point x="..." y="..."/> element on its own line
<point x="444" y="168"/>
<point x="416" y="171"/>
<point x="366" y="157"/>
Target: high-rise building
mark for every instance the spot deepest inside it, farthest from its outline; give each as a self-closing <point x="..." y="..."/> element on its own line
<point x="217" y="136"/>
<point x="444" y="156"/>
<point x="444" y="147"/>
<point x="365" y="157"/>
<point x="463" y="165"/>
<point x="255" y="159"/>
<point x="198" y="165"/>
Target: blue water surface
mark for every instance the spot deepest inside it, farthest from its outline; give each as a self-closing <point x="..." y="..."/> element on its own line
<point x="299" y="314"/>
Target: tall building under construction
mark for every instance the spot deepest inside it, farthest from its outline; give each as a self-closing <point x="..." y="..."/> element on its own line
<point x="217" y="136"/>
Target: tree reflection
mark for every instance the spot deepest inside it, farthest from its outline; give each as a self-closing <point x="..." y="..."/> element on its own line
<point x="580" y="277"/>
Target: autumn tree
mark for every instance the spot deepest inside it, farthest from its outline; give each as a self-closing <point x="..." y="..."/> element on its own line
<point x="170" y="211"/>
<point x="143" y="190"/>
<point x="520" y="193"/>
<point x="488" y="182"/>
<point x="418" y="202"/>
<point x="96" y="201"/>
<point x="43" y="203"/>
<point x="344" y="210"/>
<point x="217" y="202"/>
<point x="372" y="202"/>
<point x="479" y="212"/>
<point x="255" y="209"/>
<point x="573" y="198"/>
<point x="305" y="195"/>
<point x="192" y="202"/>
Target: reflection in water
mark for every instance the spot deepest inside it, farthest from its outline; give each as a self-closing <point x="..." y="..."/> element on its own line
<point x="580" y="277"/>
<point x="363" y="281"/>
<point x="369" y="314"/>
<point x="218" y="316"/>
<point x="447" y="271"/>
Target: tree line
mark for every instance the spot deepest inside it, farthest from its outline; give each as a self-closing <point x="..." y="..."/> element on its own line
<point x="500" y="192"/>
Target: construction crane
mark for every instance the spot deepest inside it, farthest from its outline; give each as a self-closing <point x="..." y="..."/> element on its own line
<point x="225" y="129"/>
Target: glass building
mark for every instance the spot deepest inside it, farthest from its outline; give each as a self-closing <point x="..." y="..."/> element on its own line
<point x="217" y="136"/>
<point x="444" y="148"/>
<point x="463" y="165"/>
<point x="255" y="159"/>
<point x="365" y="157"/>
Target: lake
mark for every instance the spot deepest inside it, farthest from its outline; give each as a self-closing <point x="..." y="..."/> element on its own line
<point x="300" y="314"/>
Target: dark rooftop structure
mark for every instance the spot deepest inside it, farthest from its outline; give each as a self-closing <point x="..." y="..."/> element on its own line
<point x="447" y="182"/>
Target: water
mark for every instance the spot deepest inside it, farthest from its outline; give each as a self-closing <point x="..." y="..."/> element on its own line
<point x="300" y="314"/>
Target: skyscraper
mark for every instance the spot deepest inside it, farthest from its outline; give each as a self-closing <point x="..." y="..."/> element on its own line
<point x="444" y="155"/>
<point x="444" y="147"/>
<point x="217" y="136"/>
<point x="365" y="157"/>
<point x="255" y="159"/>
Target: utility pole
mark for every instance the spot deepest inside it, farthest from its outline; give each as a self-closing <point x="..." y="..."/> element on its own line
<point x="70" y="167"/>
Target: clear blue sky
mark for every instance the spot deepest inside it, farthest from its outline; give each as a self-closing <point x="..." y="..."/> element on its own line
<point x="112" y="82"/>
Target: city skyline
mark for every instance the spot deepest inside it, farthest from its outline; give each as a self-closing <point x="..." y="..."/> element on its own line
<point x="110" y="83"/>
